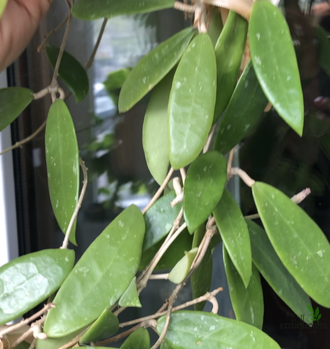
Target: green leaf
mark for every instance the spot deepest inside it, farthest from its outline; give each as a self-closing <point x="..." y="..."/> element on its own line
<point x="71" y="72"/>
<point x="94" y="9"/>
<point x="319" y="317"/>
<point x="192" y="101"/>
<point x="203" y="188"/>
<point x="22" y="345"/>
<point x="55" y="343"/>
<point x="274" y="61"/>
<point x="215" y="26"/>
<point x="154" y="133"/>
<point x="28" y="280"/>
<point x="202" y="277"/>
<point x="116" y="79"/>
<point x="181" y="269"/>
<point x="3" y="4"/>
<point x="62" y="157"/>
<point x="165" y="346"/>
<point x="228" y="52"/>
<point x="130" y="298"/>
<point x="172" y="255"/>
<point x="323" y="49"/>
<point x="316" y="312"/>
<point x="101" y="275"/>
<point x="13" y="101"/>
<point x="298" y="241"/>
<point x="139" y="339"/>
<point x="152" y="68"/>
<point x="272" y="269"/>
<point x="248" y="303"/>
<point x="104" y="327"/>
<point x="246" y="105"/>
<point x="200" y="330"/>
<point x="159" y="219"/>
<point x="235" y="235"/>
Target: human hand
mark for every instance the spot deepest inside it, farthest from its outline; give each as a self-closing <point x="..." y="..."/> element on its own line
<point x="321" y="9"/>
<point x="17" y="26"/>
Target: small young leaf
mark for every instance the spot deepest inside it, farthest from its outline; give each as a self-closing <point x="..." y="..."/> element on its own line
<point x="152" y="68"/>
<point x="272" y="269"/>
<point x="181" y="270"/>
<point x="319" y="317"/>
<point x="235" y="235"/>
<point x="154" y="133"/>
<point x="93" y="9"/>
<point x="139" y="339"/>
<point x="13" y="101"/>
<point x="159" y="219"/>
<point x="316" y="312"/>
<point x="274" y="61"/>
<point x="71" y="72"/>
<point x="248" y="303"/>
<point x="115" y="80"/>
<point x="130" y="298"/>
<point x="204" y="185"/>
<point x="228" y="52"/>
<point x="101" y="275"/>
<point x="62" y="157"/>
<point x="200" y="330"/>
<point x="28" y="280"/>
<point x="104" y="327"/>
<point x="244" y="109"/>
<point x="192" y="100"/>
<point x="298" y="241"/>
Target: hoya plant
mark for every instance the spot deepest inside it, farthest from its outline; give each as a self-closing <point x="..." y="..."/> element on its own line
<point x="209" y="85"/>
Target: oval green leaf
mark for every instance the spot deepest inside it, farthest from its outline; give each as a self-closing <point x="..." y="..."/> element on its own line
<point x="139" y="339"/>
<point x="130" y="298"/>
<point x="71" y="72"/>
<point x="228" y="52"/>
<point x="154" y="133"/>
<point x="298" y="241"/>
<point x="246" y="105"/>
<point x="181" y="269"/>
<point x="203" y="188"/>
<point x="235" y="235"/>
<point x="200" y="330"/>
<point x="13" y="101"/>
<point x="248" y="303"/>
<point x="152" y="68"/>
<point x="274" y="61"/>
<point x="55" y="343"/>
<point x="28" y="280"/>
<point x="215" y="26"/>
<point x="272" y="269"/>
<point x="62" y="157"/>
<point x="104" y="327"/>
<point x="93" y="9"/>
<point x="101" y="275"/>
<point x="192" y="100"/>
<point x="159" y="219"/>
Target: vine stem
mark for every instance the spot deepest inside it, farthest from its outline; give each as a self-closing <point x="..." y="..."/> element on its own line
<point x="75" y="213"/>
<point x="159" y="276"/>
<point x="209" y="139"/>
<point x="230" y="162"/>
<point x="184" y="7"/>
<point x="243" y="175"/>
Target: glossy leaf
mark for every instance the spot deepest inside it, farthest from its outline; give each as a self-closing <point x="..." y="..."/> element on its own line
<point x="152" y="68"/>
<point x="154" y="134"/>
<point x="228" y="52"/>
<point x="55" y="343"/>
<point x="71" y="72"/>
<point x="202" y="277"/>
<point x="62" y="157"/>
<point x="104" y="327"/>
<point x="298" y="241"/>
<point x="215" y="26"/>
<point x="323" y="49"/>
<point x="274" y="61"/>
<point x="130" y="298"/>
<point x="192" y="100"/>
<point x="200" y="330"/>
<point x="159" y="219"/>
<point x="235" y="235"/>
<point x="248" y="303"/>
<point x="94" y="9"/>
<point x="165" y="345"/>
<point x="172" y="255"/>
<point x="139" y="339"/>
<point x="3" y="4"/>
<point x="181" y="269"/>
<point x="114" y="83"/>
<point x="13" y="101"/>
<point x="101" y="275"/>
<point x="244" y="109"/>
<point x="28" y="280"/>
<point x="274" y="272"/>
<point x="204" y="185"/>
